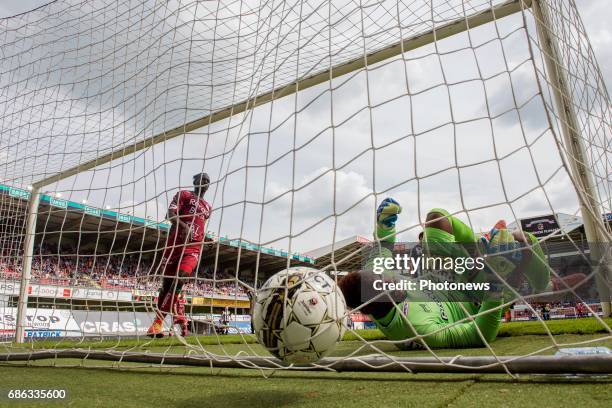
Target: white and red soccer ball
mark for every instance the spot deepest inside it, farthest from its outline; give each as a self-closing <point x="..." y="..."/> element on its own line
<point x="299" y="315"/>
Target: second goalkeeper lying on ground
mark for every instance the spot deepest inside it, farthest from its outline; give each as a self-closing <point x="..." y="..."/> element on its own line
<point x="449" y="319"/>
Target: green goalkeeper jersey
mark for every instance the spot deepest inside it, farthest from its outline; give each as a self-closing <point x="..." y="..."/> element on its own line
<point x="447" y="324"/>
<point x="436" y="320"/>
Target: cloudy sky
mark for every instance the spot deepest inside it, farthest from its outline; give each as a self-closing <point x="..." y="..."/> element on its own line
<point x="460" y="125"/>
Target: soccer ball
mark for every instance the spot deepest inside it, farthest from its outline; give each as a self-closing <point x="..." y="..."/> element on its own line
<point x="299" y="315"/>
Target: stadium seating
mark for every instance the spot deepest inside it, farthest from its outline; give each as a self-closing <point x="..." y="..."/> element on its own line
<point x="109" y="272"/>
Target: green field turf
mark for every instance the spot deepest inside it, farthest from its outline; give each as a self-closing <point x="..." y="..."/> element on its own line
<point x="104" y="384"/>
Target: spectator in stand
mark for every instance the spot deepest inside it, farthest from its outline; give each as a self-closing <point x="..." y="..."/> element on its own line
<point x="580" y="309"/>
<point x="546" y="311"/>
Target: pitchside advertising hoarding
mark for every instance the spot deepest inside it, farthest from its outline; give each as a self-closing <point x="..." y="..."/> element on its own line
<point x="11" y="288"/>
<point x="40" y="323"/>
<point x="50" y="323"/>
<point x="101" y="294"/>
<point x="236" y="323"/>
<point x="44" y="323"/>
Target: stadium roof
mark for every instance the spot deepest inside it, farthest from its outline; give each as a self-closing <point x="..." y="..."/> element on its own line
<point x="348" y="254"/>
<point x="113" y="231"/>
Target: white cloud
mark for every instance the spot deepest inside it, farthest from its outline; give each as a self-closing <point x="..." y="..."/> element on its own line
<point x="316" y="200"/>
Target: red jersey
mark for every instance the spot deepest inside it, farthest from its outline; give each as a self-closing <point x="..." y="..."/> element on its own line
<point x="192" y="210"/>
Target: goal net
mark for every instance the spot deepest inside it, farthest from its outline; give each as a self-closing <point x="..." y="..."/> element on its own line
<point x="305" y="115"/>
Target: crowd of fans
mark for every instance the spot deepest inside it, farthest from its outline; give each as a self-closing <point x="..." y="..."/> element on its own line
<point x="552" y="310"/>
<point x="121" y="271"/>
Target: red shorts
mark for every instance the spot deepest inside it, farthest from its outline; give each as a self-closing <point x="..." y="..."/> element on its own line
<point x="180" y="259"/>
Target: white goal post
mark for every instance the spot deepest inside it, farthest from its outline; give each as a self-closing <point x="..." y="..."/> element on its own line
<point x="291" y="48"/>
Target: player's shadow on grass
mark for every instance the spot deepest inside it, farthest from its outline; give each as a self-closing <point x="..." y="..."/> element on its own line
<point x="247" y="399"/>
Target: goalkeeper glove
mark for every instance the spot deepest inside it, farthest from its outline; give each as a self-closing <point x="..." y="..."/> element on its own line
<point x="386" y="217"/>
<point x="504" y="253"/>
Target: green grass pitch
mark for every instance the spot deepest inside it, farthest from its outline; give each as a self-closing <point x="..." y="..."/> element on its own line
<point x="104" y="384"/>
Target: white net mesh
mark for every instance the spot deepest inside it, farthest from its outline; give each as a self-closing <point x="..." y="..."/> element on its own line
<point x="305" y="115"/>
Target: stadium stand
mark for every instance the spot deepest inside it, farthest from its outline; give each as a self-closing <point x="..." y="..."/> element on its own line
<point x="83" y="246"/>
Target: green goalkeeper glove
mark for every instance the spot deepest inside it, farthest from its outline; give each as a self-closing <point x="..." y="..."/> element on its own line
<point x="386" y="217"/>
<point x="504" y="253"/>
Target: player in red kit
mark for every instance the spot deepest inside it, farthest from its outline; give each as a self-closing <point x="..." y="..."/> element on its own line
<point x="188" y="213"/>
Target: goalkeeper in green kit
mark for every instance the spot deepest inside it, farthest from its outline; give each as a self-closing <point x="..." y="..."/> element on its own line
<point x="437" y="317"/>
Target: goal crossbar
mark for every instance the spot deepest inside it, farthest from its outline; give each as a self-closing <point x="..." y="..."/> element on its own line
<point x="437" y="33"/>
